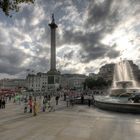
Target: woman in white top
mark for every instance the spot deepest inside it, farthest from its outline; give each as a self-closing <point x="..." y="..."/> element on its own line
<point x="52" y="103"/>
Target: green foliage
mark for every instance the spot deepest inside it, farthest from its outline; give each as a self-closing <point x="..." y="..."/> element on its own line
<point x="12" y="5"/>
<point x="96" y="83"/>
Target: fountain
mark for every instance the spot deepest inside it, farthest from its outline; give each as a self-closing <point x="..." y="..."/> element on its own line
<point x="124" y="83"/>
<point x="123" y="86"/>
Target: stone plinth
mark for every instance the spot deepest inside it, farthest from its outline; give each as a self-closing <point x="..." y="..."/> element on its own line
<point x="53" y="80"/>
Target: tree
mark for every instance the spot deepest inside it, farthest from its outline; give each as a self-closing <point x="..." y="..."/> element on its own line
<point x="12" y="5"/>
<point x="96" y="83"/>
<point x="89" y="82"/>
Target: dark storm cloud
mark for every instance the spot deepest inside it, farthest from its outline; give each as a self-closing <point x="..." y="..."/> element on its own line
<point x="9" y="68"/>
<point x="102" y="13"/>
<point x="92" y="48"/>
<point x="11" y="55"/>
<point x="69" y="55"/>
<point x="10" y="59"/>
<point x="104" y="18"/>
<point x="92" y="52"/>
<point x="72" y="37"/>
<point x="113" y="53"/>
<point x="39" y="64"/>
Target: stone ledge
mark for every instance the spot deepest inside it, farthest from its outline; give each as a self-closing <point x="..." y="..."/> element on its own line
<point x="118" y="107"/>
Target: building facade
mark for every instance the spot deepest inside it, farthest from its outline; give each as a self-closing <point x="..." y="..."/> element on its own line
<point x="37" y="82"/>
<point x="72" y="81"/>
<point x="107" y="72"/>
<point x="94" y="76"/>
<point x="12" y="83"/>
<point x="136" y="70"/>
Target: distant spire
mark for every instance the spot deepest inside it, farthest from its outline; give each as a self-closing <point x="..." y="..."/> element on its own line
<point x="53" y="20"/>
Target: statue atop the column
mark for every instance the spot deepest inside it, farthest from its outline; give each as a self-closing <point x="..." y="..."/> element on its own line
<point x="53" y="20"/>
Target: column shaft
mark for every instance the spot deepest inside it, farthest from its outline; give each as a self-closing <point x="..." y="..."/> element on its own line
<point x="53" y="50"/>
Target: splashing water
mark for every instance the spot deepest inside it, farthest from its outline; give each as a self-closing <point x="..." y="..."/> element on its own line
<point x="123" y="72"/>
<point x="123" y="79"/>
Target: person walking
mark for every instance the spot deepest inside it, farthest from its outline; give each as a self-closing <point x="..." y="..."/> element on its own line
<point x="89" y="101"/>
<point x="67" y="100"/>
<point x="35" y="107"/>
<point x="71" y="100"/>
<point x="93" y="100"/>
<point x="25" y="105"/>
<point x="44" y="104"/>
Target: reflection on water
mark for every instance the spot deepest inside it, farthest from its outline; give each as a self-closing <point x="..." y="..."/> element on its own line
<point x="112" y="99"/>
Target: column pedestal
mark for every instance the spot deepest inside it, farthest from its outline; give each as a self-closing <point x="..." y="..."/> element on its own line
<point x="53" y="80"/>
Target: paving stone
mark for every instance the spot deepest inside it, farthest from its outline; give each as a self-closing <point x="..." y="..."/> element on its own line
<point x="68" y="124"/>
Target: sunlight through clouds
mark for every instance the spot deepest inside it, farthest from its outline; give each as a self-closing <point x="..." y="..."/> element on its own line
<point x="89" y="34"/>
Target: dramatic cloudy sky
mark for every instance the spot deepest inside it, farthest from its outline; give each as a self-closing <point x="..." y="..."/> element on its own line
<point x="91" y="33"/>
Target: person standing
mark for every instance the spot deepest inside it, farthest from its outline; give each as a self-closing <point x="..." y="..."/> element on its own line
<point x="57" y="98"/>
<point x="52" y="104"/>
<point x="30" y="104"/>
<point x="82" y="99"/>
<point x="71" y="98"/>
<point x="0" y="102"/>
<point x="64" y="96"/>
<point x="3" y="103"/>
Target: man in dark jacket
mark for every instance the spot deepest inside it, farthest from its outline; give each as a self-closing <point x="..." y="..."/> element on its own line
<point x="0" y="102"/>
<point x="57" y="98"/>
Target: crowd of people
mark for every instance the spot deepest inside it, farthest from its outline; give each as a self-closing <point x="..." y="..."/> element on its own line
<point x="36" y="104"/>
<point x="47" y="103"/>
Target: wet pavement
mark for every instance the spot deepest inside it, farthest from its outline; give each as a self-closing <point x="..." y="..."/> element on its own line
<point x="73" y="123"/>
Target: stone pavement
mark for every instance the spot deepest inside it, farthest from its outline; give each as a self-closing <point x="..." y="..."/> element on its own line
<point x="77" y="123"/>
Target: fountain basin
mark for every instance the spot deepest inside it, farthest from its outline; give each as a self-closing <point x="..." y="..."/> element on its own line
<point x="124" y="85"/>
<point x="120" y="92"/>
<point x="117" y="105"/>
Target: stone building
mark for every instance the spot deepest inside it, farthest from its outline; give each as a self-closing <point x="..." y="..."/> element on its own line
<point x="72" y="81"/>
<point x="136" y="70"/>
<point x="37" y="82"/>
<point x="12" y="83"/>
<point x="94" y="76"/>
<point x="107" y="72"/>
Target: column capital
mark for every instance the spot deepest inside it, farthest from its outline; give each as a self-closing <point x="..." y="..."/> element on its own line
<point x="53" y="24"/>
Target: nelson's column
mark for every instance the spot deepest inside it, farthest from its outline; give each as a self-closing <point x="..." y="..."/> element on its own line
<point x="53" y="73"/>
